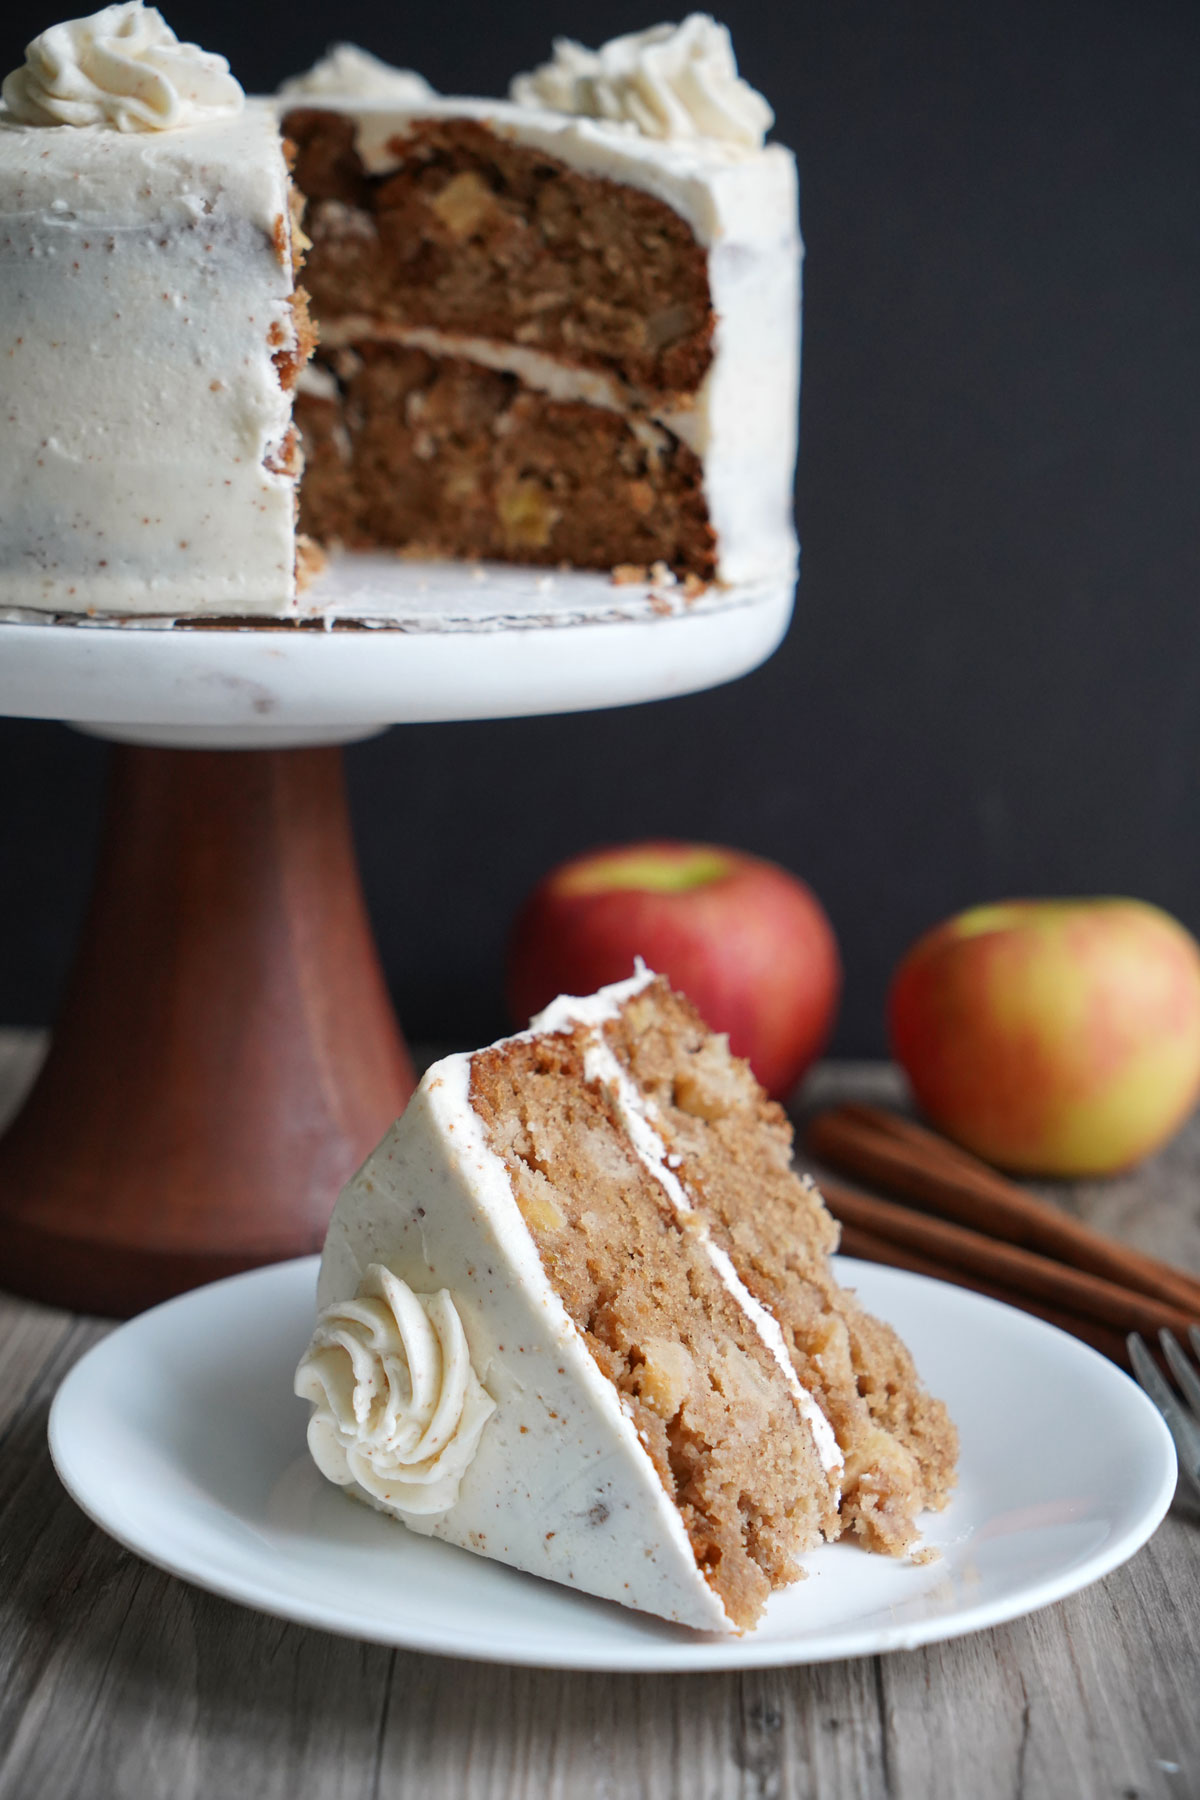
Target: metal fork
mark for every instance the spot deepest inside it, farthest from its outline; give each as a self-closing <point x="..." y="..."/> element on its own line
<point x="1183" y="1417"/>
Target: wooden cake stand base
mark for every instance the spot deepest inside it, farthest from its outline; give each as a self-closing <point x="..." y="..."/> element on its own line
<point x="227" y="1054"/>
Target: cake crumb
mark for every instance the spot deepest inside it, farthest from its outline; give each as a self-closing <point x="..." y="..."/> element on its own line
<point x="925" y="1553"/>
<point x="310" y="560"/>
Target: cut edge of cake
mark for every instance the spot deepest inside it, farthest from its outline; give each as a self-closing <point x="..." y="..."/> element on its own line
<point x="695" y="440"/>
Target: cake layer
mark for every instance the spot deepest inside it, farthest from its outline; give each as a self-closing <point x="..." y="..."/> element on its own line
<point x="472" y="232"/>
<point x="717" y="1415"/>
<point x="147" y="332"/>
<point x="442" y="455"/>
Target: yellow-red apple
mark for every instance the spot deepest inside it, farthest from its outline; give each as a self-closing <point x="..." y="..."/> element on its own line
<point x="748" y="943"/>
<point x="1052" y="1037"/>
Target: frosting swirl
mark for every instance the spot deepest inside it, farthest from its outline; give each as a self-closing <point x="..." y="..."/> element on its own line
<point x="122" y="67"/>
<point x="398" y="1407"/>
<point x="347" y="72"/>
<point x="672" y="81"/>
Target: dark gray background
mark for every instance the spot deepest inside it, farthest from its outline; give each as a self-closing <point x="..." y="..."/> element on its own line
<point x="992" y="685"/>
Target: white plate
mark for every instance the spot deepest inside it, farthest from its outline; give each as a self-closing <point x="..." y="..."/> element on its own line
<point x="180" y="1436"/>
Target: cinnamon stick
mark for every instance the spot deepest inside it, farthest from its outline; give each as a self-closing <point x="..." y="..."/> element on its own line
<point x="1022" y="1272"/>
<point x="865" y="1244"/>
<point x="902" y="1157"/>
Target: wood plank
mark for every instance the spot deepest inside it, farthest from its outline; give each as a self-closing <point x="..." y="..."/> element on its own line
<point x="1095" y="1696"/>
<point x="117" y="1680"/>
<point x="465" y="1729"/>
<point x="29" y="1336"/>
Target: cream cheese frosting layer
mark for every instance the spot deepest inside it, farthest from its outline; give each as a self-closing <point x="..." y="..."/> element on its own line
<point x="560" y="1484"/>
<point x="145" y="284"/>
<point x="549" y="375"/>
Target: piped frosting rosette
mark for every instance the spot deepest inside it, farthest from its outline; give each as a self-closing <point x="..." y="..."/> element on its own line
<point x="347" y="73"/>
<point x="672" y="81"/>
<point x="122" y="67"/>
<point x="398" y="1409"/>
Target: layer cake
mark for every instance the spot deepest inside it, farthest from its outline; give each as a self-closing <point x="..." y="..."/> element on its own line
<point x="560" y="329"/>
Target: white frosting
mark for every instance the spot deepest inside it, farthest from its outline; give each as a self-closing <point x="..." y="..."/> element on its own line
<point x="397" y="1407"/>
<point x="144" y="289"/>
<point x="591" y="1009"/>
<point x="353" y="74"/>
<point x="672" y="81"/>
<point x="746" y="417"/>
<point x="122" y="67"/>
<point x="686" y="419"/>
<point x="536" y="369"/>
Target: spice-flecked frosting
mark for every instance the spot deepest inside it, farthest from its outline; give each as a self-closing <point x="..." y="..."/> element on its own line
<point x="145" y="287"/>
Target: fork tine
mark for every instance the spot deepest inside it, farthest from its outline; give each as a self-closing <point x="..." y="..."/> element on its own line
<point x="1181" y="1368"/>
<point x="1194" y="1340"/>
<point x="1185" y="1433"/>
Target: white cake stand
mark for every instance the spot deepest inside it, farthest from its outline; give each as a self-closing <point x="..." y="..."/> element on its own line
<point x="391" y="642"/>
<point x="227" y="1052"/>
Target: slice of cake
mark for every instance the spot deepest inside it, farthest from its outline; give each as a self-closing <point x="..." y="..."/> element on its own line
<point x="560" y="329"/>
<point x="576" y="1313"/>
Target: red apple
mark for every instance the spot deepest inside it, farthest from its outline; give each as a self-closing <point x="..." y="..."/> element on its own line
<point x="1053" y="1037"/>
<point x="749" y="944"/>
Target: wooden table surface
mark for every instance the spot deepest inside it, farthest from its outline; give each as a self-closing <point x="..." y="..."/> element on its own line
<point x="121" y="1683"/>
